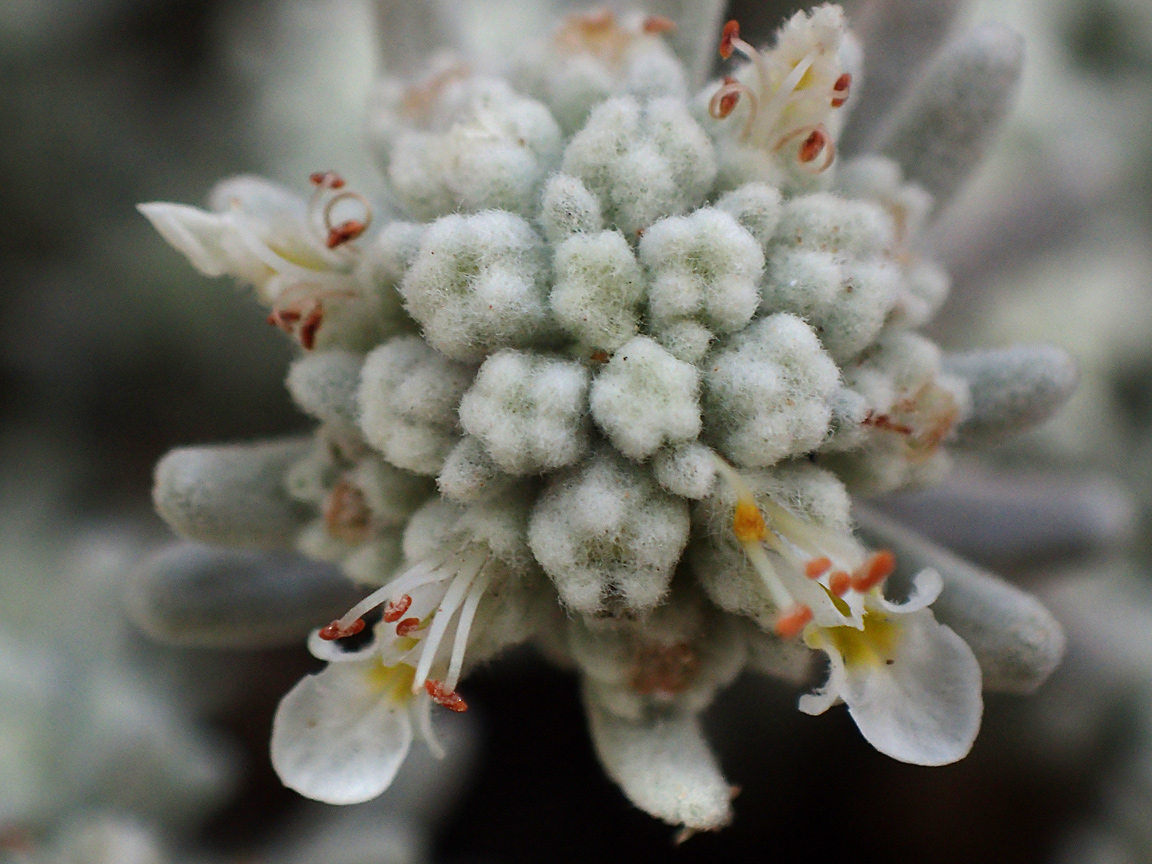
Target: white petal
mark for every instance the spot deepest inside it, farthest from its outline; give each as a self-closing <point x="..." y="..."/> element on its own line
<point x="665" y="767"/>
<point x="925" y="706"/>
<point x="926" y="587"/>
<point x="257" y="197"/>
<point x="200" y="235"/>
<point x="821" y="700"/>
<point x="336" y="739"/>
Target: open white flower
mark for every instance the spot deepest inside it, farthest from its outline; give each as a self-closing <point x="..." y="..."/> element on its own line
<point x="299" y="257"/>
<point x="911" y="684"/>
<point x="341" y="735"/>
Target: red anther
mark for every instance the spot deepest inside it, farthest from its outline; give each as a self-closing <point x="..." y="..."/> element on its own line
<point x="310" y="326"/>
<point x="839" y="583"/>
<point x="450" y="699"/>
<point x="345" y="231"/>
<point x="396" y="608"/>
<point x="599" y="357"/>
<point x="874" y="571"/>
<point x="817" y="567"/>
<point x="731" y="31"/>
<point x="284" y="319"/>
<point x="840" y="90"/>
<point x="656" y="24"/>
<point x="792" y="622"/>
<point x="813" y="146"/>
<point x="327" y="180"/>
<point x="883" y="421"/>
<point x="336" y="630"/>
<point x="727" y="104"/>
<point x="405" y="627"/>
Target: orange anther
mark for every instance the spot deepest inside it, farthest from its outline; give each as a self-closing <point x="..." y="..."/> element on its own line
<point x="792" y="622"/>
<point x="747" y="522"/>
<point x="817" y="567"/>
<point x="839" y="583"/>
<point x="731" y="31"/>
<point x="656" y="24"/>
<point x="874" y="571"/>
<point x="840" y="90"/>
<point x="336" y="630"/>
<point x="599" y="357"/>
<point x="405" y="627"/>
<point x="450" y="699"/>
<point x="396" y="608"/>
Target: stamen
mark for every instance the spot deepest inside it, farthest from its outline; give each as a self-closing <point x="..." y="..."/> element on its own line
<point x="728" y="39"/>
<point x="444" y="612"/>
<point x="447" y="697"/>
<point x="311" y="326"/>
<point x="839" y="583"/>
<point x="395" y="609"/>
<point x="464" y="626"/>
<point x="339" y="630"/>
<point x="407" y="627"/>
<point x="792" y="622"/>
<point x="874" y="571"/>
<point x="349" y="229"/>
<point x="817" y="142"/>
<point x="840" y="90"/>
<point x="725" y="100"/>
<point x="817" y="567"/>
<point x="420" y="574"/>
<point x="657" y="24"/>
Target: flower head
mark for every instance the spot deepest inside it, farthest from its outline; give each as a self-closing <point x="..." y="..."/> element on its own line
<point x="646" y="346"/>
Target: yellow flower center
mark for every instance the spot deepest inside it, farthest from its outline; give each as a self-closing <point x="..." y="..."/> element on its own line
<point x="875" y="645"/>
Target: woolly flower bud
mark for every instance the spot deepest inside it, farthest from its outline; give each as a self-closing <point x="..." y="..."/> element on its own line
<point x="705" y="269"/>
<point x="598" y="291"/>
<point x="567" y="208"/>
<point x="687" y="470"/>
<point x="593" y="56"/>
<point x="925" y="285"/>
<point x="528" y="410"/>
<point x="644" y="397"/>
<point x="643" y="161"/>
<point x="766" y="392"/>
<point x="478" y="284"/>
<point x="908" y="409"/>
<point x="756" y="206"/>
<point x="829" y="268"/>
<point x="408" y="397"/>
<point x="480" y="146"/>
<point x="608" y="536"/>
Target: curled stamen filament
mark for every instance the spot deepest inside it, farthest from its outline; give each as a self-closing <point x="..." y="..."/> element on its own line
<point x="349" y="229"/>
<point x="724" y="101"/>
<point x="817" y="141"/>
